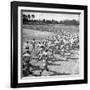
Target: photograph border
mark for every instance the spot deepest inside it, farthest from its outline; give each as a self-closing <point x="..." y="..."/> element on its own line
<point x="14" y="43"/>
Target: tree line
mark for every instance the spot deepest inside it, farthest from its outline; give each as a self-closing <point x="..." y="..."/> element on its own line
<point x="30" y="19"/>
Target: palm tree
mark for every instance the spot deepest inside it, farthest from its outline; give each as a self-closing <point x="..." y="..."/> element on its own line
<point x="25" y="18"/>
<point x="29" y="16"/>
<point x="33" y="16"/>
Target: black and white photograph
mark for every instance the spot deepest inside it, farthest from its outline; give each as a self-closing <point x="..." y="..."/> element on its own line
<point x="50" y="44"/>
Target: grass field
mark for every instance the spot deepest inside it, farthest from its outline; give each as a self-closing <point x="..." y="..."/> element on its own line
<point x="53" y="27"/>
<point x="43" y="31"/>
<point x="29" y="34"/>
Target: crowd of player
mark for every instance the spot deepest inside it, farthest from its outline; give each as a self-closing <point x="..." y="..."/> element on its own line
<point x="62" y="43"/>
<point x="44" y="49"/>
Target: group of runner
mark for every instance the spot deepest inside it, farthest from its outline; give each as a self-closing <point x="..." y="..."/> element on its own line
<point x="52" y="44"/>
<point x="47" y="48"/>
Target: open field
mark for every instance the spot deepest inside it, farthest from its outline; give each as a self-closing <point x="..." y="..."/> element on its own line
<point x="53" y="28"/>
<point x="29" y="34"/>
<point x="43" y="31"/>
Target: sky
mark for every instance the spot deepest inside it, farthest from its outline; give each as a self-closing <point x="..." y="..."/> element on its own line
<point x="54" y="16"/>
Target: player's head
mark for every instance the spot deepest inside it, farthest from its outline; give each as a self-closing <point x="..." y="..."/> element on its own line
<point x="27" y="42"/>
<point x="33" y="39"/>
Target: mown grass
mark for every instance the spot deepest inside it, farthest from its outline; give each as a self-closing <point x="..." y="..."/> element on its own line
<point x="53" y="28"/>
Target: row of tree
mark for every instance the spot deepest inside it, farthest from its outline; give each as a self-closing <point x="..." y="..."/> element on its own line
<point x="30" y="19"/>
